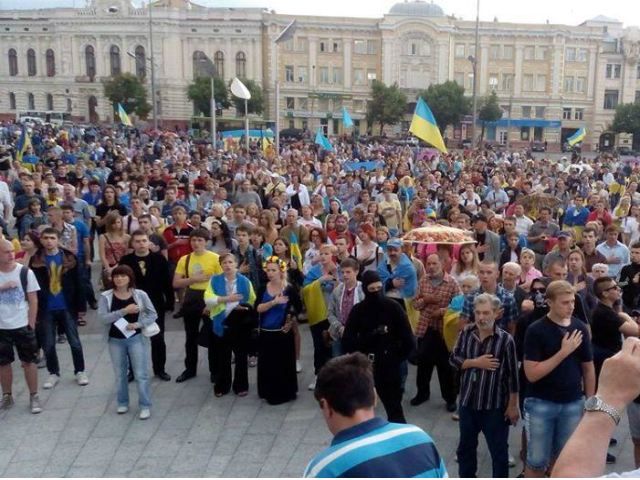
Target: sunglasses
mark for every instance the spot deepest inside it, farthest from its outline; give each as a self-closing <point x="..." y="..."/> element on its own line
<point x="539" y="290"/>
<point x="614" y="287"/>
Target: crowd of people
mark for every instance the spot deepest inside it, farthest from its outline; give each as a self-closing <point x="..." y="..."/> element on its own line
<point x="248" y="247"/>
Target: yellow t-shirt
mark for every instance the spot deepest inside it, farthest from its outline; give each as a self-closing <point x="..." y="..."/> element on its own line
<point x="207" y="262"/>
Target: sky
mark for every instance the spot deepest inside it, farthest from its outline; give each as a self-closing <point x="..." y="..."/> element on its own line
<point x="570" y="12"/>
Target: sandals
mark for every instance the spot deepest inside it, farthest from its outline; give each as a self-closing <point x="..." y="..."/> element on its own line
<point x="82" y="323"/>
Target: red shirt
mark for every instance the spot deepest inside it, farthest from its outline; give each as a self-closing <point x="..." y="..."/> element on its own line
<point x="605" y="218"/>
<point x="173" y="233"/>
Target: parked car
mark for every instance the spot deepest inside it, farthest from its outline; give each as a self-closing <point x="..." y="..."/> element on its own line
<point x="538" y="146"/>
<point x="625" y="150"/>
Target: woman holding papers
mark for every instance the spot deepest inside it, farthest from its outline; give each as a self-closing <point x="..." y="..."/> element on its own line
<point x="126" y="311"/>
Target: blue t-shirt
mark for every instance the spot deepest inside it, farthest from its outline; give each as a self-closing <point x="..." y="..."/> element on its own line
<point x="56" y="297"/>
<point x="82" y="232"/>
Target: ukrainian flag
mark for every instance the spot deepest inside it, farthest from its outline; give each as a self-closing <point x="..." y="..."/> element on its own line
<point x="346" y="118"/>
<point x="577" y="137"/>
<point x="424" y="126"/>
<point x="296" y="254"/>
<point x="24" y="142"/>
<point x="323" y="141"/>
<point x="124" y="118"/>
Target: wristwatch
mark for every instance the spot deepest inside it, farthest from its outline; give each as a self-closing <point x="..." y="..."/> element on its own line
<point x="596" y="404"/>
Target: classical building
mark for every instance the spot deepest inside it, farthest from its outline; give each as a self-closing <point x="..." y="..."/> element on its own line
<point x="550" y="79"/>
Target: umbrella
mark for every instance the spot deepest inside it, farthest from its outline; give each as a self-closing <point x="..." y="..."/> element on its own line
<point x="536" y="201"/>
<point x="439" y="234"/>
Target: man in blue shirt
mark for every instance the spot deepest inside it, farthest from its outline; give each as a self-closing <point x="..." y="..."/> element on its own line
<point x="364" y="445"/>
<point x="84" y="256"/>
<point x="616" y="252"/>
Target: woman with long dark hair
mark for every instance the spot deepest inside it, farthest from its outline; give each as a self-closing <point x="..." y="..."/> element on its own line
<point x="221" y="241"/>
<point x="110" y="202"/>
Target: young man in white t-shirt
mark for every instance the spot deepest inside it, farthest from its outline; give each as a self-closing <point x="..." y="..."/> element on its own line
<point x="18" y="311"/>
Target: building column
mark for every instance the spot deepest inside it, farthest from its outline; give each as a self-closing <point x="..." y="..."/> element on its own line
<point x="347" y="61"/>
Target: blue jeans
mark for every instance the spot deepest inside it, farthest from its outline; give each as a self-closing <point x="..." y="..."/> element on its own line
<point x="49" y="322"/>
<point x="137" y="349"/>
<point x="495" y="429"/>
<point x="548" y="426"/>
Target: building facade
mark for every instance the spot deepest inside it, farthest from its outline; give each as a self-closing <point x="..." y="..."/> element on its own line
<point x="550" y="79"/>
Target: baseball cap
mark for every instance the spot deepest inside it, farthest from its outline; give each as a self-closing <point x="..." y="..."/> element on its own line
<point x="394" y="243"/>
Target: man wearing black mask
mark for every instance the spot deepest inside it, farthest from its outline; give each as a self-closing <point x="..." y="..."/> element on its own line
<point x="379" y="328"/>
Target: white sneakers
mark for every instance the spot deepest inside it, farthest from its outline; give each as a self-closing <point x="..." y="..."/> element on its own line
<point x="34" y="404"/>
<point x="312" y="385"/>
<point x="145" y="413"/>
<point x="298" y="366"/>
<point x="82" y="379"/>
<point x="51" y="382"/>
<point x="122" y="409"/>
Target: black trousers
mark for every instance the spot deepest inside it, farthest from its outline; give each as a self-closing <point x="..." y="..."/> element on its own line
<point x="158" y="347"/>
<point x="388" y="382"/>
<point x="321" y="353"/>
<point x="192" y="309"/>
<point x="432" y="352"/>
<point x="238" y="343"/>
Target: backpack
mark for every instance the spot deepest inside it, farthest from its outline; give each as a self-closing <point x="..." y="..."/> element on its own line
<point x="24" y="272"/>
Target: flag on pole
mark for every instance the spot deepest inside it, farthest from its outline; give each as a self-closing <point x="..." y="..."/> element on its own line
<point x="124" y="118"/>
<point x="294" y="247"/>
<point x="424" y="126"/>
<point x="24" y="142"/>
<point x="346" y="118"/>
<point x="577" y="137"/>
<point x="323" y="141"/>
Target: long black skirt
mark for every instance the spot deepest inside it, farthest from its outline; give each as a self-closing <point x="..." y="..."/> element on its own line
<point x="277" y="379"/>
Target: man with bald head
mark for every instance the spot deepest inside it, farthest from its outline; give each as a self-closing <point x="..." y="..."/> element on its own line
<point x="18" y="309"/>
<point x="437" y="288"/>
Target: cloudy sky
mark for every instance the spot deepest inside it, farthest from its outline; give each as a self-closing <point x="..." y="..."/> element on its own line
<point x="571" y="12"/>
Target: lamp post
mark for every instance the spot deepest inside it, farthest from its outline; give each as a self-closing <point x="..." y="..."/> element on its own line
<point x="210" y="67"/>
<point x="474" y="61"/>
<point x="284" y="35"/>
<point x="153" y="68"/>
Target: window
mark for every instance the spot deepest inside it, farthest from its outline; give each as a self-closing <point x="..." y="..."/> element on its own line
<point x="323" y="73"/>
<point x="302" y="74"/>
<point x="541" y="83"/>
<point x="218" y="62"/>
<point x="50" y="102"/>
<point x="114" y="60"/>
<point x="526" y="111"/>
<point x="241" y="65"/>
<point x="90" y="62"/>
<point x="371" y="76"/>
<point x="358" y="76"/>
<point x="292" y="124"/>
<point x="141" y="62"/>
<point x="570" y="54"/>
<point x="288" y="73"/>
<point x="613" y="70"/>
<point x="13" y="62"/>
<point x="507" y="52"/>
<point x="51" y="63"/>
<point x="494" y="52"/>
<point x="541" y="53"/>
<point x="610" y="99"/>
<point x="458" y="77"/>
<point x="638" y="72"/>
<point x="323" y="47"/>
<point x="582" y="54"/>
<point x="12" y="101"/>
<point x="290" y="103"/>
<point x="413" y="49"/>
<point x="579" y="114"/>
<point x="337" y="76"/>
<point x="372" y="47"/>
<point x="459" y="50"/>
<point x="538" y="134"/>
<point x="31" y="102"/>
<point x="566" y="113"/>
<point x="529" y="53"/>
<point x="493" y="81"/>
<point x="524" y="134"/>
<point x="507" y="82"/>
<point x="358" y="105"/>
<point x="540" y="112"/>
<point x="637" y="98"/>
<point x="303" y="103"/>
<point x="581" y="84"/>
<point x="527" y="82"/>
<point x="360" y="47"/>
<point x="301" y="44"/>
<point x="69" y="105"/>
<point x="335" y="47"/>
<point x="568" y="84"/>
<point x="287" y="45"/>
<point x="31" y="62"/>
<point x="201" y="65"/>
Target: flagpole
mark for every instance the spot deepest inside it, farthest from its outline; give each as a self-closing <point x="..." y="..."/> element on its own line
<point x="213" y="112"/>
<point x="246" y="124"/>
<point x="475" y="75"/>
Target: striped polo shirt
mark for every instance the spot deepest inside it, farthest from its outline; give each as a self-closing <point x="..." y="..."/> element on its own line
<point x="377" y="448"/>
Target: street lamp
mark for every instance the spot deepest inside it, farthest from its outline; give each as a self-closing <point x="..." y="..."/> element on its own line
<point x="284" y="35"/>
<point x="211" y="69"/>
<point x="474" y="61"/>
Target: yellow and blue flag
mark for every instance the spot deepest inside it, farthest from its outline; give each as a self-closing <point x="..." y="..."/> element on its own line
<point x="323" y="141"/>
<point x="124" y="118"/>
<point x="577" y="137"/>
<point x="346" y="118"/>
<point x="296" y="253"/>
<point x="424" y="126"/>
<point x="24" y="142"/>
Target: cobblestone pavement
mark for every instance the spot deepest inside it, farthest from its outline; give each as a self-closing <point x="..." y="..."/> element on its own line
<point x="191" y="433"/>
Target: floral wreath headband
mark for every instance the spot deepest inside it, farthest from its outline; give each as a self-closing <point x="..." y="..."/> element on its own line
<point x="273" y="259"/>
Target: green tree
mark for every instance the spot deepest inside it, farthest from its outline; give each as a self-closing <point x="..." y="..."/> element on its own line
<point x="489" y="112"/>
<point x="627" y="120"/>
<point x="127" y="90"/>
<point x="447" y="103"/>
<point x="256" y="103"/>
<point x="199" y="92"/>
<point x="387" y="106"/>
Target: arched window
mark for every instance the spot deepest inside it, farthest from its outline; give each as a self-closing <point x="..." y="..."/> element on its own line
<point x="31" y="62"/>
<point x="51" y="63"/>
<point x="12" y="101"/>
<point x="141" y="62"/>
<point x="13" y="62"/>
<point x="90" y="61"/>
<point x="201" y="64"/>
<point x="114" y="57"/>
<point x="31" y="102"/>
<point x="50" y="102"/>
<point x="218" y="62"/>
<point x="69" y="105"/>
<point x="241" y="65"/>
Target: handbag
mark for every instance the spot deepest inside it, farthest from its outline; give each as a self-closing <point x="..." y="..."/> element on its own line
<point x="151" y="330"/>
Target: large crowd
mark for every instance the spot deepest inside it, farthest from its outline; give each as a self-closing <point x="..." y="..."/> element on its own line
<point x="254" y="248"/>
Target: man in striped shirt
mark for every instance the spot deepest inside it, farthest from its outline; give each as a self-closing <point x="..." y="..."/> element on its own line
<point x="364" y="445"/>
<point x="486" y="356"/>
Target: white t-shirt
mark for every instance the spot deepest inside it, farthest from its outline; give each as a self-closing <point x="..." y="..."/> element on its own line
<point x="14" y="308"/>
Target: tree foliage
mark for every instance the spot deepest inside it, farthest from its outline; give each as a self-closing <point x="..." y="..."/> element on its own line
<point x="387" y="106"/>
<point x="447" y="103"/>
<point x="199" y="92"/>
<point x="490" y="111"/>
<point x="256" y="103"/>
<point x="627" y="119"/>
<point x="127" y="90"/>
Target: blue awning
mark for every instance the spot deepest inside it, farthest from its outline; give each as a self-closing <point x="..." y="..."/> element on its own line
<point x="525" y="122"/>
